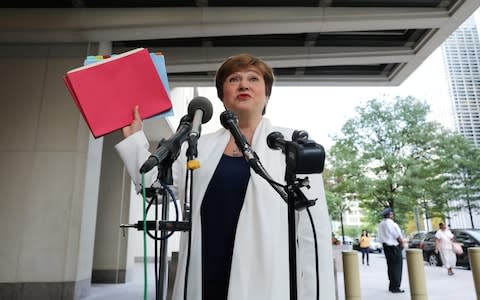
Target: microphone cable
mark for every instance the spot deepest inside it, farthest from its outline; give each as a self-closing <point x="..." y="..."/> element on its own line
<point x="144" y="194"/>
<point x="315" y="243"/>
<point x="157" y="262"/>
<point x="177" y="213"/>
<point x="314" y="233"/>
<point x="266" y="176"/>
<point x="188" y="189"/>
<point x="155" y="237"/>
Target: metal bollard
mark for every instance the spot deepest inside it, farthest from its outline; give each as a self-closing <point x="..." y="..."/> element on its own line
<point x="351" y="275"/>
<point x="474" y="257"/>
<point x="416" y="275"/>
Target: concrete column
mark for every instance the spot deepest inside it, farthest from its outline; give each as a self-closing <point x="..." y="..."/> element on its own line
<point x="49" y="177"/>
<point x="416" y="275"/>
<point x="474" y="257"/>
<point x="110" y="255"/>
<point x="351" y="275"/>
<point x="104" y="48"/>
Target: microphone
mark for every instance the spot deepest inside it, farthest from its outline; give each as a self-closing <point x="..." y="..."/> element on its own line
<point x="228" y="119"/>
<point x="304" y="156"/>
<point x="200" y="111"/>
<point x="276" y="141"/>
<point x="169" y="148"/>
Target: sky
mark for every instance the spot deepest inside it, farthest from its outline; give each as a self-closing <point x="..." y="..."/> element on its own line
<point x="322" y="111"/>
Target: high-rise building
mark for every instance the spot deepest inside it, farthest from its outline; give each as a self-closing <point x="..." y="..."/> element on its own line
<point x="461" y="53"/>
<point x="462" y="58"/>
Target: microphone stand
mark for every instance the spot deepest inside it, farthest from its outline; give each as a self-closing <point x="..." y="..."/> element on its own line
<point x="165" y="227"/>
<point x="292" y="194"/>
<point x="296" y="200"/>
<point x="164" y="177"/>
<point x="192" y="164"/>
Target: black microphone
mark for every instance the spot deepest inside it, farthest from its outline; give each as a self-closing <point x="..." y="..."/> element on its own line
<point x="228" y="119"/>
<point x="276" y="141"/>
<point x="304" y="156"/>
<point x="169" y="148"/>
<point x="200" y="111"/>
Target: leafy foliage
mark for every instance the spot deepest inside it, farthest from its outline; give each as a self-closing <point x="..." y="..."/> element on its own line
<point x="390" y="155"/>
<point x="462" y="164"/>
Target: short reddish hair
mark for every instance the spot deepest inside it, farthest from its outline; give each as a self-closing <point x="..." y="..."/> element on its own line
<point x="240" y="62"/>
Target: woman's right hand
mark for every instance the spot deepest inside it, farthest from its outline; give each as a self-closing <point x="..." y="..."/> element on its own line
<point x="136" y="124"/>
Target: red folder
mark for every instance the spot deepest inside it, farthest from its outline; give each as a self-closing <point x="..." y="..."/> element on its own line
<point x="106" y="92"/>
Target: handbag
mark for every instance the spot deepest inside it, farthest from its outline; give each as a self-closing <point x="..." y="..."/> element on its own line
<point x="457" y="248"/>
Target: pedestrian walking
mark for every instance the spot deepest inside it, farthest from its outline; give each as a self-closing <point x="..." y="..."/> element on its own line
<point x="444" y="245"/>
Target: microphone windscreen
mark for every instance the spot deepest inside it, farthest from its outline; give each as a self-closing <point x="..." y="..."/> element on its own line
<point x="204" y="105"/>
<point x="273" y="140"/>
<point x="227" y="116"/>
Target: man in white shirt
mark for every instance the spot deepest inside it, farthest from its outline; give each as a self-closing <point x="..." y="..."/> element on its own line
<point x="390" y="236"/>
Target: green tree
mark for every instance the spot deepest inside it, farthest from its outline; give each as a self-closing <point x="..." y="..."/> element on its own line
<point x="378" y="151"/>
<point x="463" y="175"/>
<point x="336" y="204"/>
<point x="426" y="180"/>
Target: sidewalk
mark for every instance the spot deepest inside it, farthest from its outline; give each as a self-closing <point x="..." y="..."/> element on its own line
<point x="440" y="286"/>
<point x="373" y="282"/>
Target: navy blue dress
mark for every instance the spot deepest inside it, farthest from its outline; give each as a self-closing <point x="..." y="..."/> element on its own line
<point x="219" y="215"/>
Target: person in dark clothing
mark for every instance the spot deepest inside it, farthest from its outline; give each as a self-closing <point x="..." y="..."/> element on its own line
<point x="390" y="235"/>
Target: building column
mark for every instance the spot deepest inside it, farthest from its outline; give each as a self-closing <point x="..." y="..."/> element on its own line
<point x="49" y="176"/>
<point x="110" y="254"/>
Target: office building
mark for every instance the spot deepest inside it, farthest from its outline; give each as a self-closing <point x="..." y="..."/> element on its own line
<point x="461" y="53"/>
<point x="462" y="58"/>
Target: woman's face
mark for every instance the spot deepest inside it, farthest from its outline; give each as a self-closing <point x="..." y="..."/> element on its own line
<point x="244" y="92"/>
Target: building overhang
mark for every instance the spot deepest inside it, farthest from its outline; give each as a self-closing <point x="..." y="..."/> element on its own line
<point x="316" y="43"/>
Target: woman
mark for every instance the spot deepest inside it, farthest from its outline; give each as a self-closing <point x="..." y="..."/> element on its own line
<point x="239" y="245"/>
<point x="444" y="245"/>
<point x="365" y="246"/>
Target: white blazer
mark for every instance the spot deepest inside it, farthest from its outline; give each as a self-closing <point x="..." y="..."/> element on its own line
<point x="260" y="264"/>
